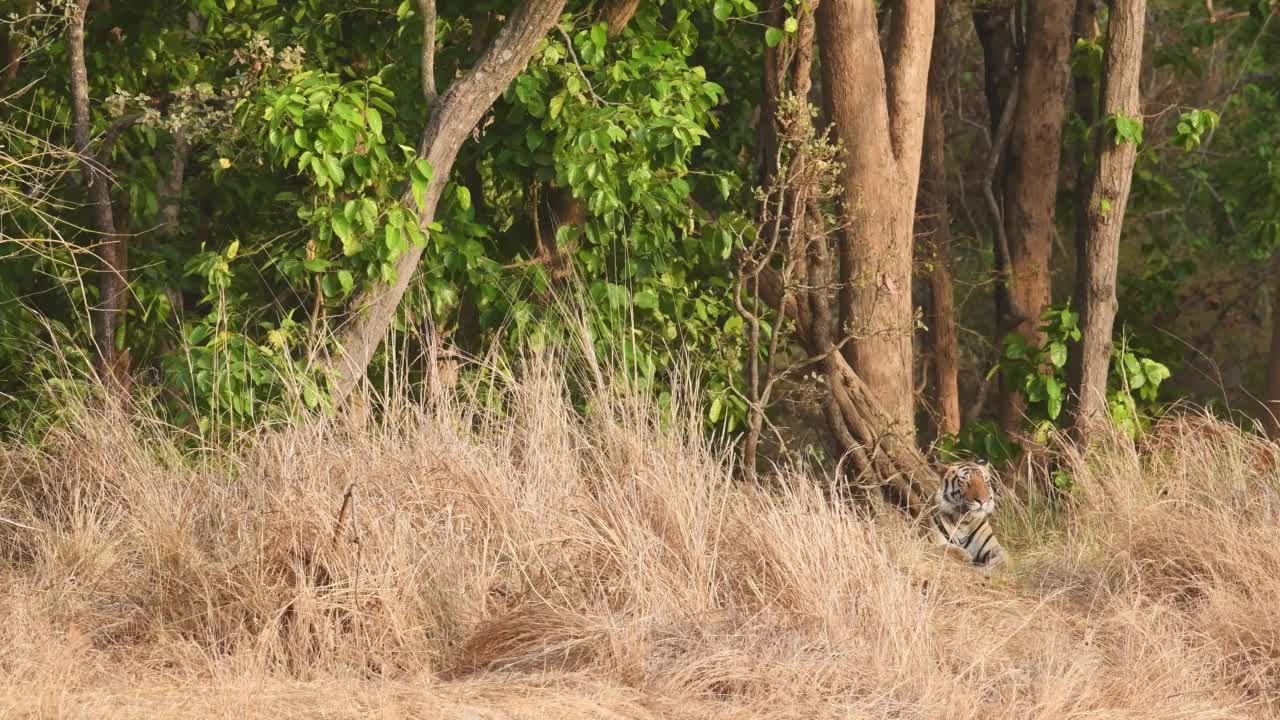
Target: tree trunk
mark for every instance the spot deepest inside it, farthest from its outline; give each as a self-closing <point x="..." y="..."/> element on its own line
<point x="1031" y="175"/>
<point x="453" y="117"/>
<point x="1026" y="179"/>
<point x="1085" y="101"/>
<point x="934" y="225"/>
<point x="877" y="114"/>
<point x="1108" y="193"/>
<point x="1271" y="401"/>
<point x="112" y="293"/>
<point x="12" y="45"/>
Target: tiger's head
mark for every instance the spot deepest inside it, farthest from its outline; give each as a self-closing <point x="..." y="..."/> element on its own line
<point x="967" y="488"/>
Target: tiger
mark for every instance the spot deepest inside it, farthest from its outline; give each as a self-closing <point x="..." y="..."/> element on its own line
<point x="962" y="509"/>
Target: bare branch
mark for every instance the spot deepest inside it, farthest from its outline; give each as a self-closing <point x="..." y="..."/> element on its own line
<point x="998" y="145"/>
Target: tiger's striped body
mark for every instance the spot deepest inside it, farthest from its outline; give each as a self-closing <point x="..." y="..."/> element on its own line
<point x="961" y="515"/>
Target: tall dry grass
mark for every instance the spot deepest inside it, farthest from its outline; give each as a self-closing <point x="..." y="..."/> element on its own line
<point x="533" y="563"/>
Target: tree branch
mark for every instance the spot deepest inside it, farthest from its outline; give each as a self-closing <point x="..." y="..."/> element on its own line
<point x="998" y="144"/>
<point x="909" y="52"/>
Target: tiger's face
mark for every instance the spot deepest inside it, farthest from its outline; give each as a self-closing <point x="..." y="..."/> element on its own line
<point x="967" y="488"/>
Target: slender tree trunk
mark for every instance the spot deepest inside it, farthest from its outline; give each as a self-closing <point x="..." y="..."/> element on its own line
<point x="1084" y="26"/>
<point x="877" y="114"/>
<point x="1107" y="196"/>
<point x="112" y="294"/>
<point x="934" y="224"/>
<point x="12" y="46"/>
<point x="453" y="117"/>
<point x="1271" y="401"/>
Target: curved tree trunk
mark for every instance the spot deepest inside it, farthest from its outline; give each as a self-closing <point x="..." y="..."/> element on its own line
<point x="1108" y="193"/>
<point x="453" y="117"/>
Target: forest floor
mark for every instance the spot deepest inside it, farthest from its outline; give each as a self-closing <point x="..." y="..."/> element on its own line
<point x="531" y="564"/>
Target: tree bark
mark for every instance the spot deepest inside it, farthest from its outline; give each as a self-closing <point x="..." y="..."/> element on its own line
<point x="617" y="13"/>
<point x="112" y="295"/>
<point x="877" y="114"/>
<point x="934" y="224"/>
<point x="169" y="187"/>
<point x="455" y="114"/>
<point x="1108" y="193"/>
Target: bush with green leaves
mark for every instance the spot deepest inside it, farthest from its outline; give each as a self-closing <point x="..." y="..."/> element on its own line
<point x="1038" y="371"/>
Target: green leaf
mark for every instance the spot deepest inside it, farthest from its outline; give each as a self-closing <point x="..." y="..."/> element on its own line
<point x="646" y="299"/>
<point x="393" y="237"/>
<point x="348" y="113"/>
<point x="375" y="121"/>
<point x="599" y="35"/>
<point x="1126" y="128"/>
<point x="342" y="228"/>
<point x="1057" y="353"/>
<point x="1156" y="372"/>
<point x="556" y="105"/>
<point x="424" y="169"/>
<point x="334" y="166"/>
<point x="464" y="196"/>
<point x="722" y="9"/>
<point x="1053" y="396"/>
<point x="791" y="25"/>
<point x="773" y="36"/>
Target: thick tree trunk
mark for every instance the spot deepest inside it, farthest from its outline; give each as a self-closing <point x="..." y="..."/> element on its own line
<point x="1108" y="194"/>
<point x="112" y="292"/>
<point x="868" y="441"/>
<point x="877" y="114"/>
<point x="453" y="117"/>
<point x="934" y="226"/>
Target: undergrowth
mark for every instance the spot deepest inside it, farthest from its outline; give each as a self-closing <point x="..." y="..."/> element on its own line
<point x="518" y="559"/>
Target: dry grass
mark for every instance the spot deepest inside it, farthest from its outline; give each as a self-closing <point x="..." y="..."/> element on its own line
<point x="535" y="564"/>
